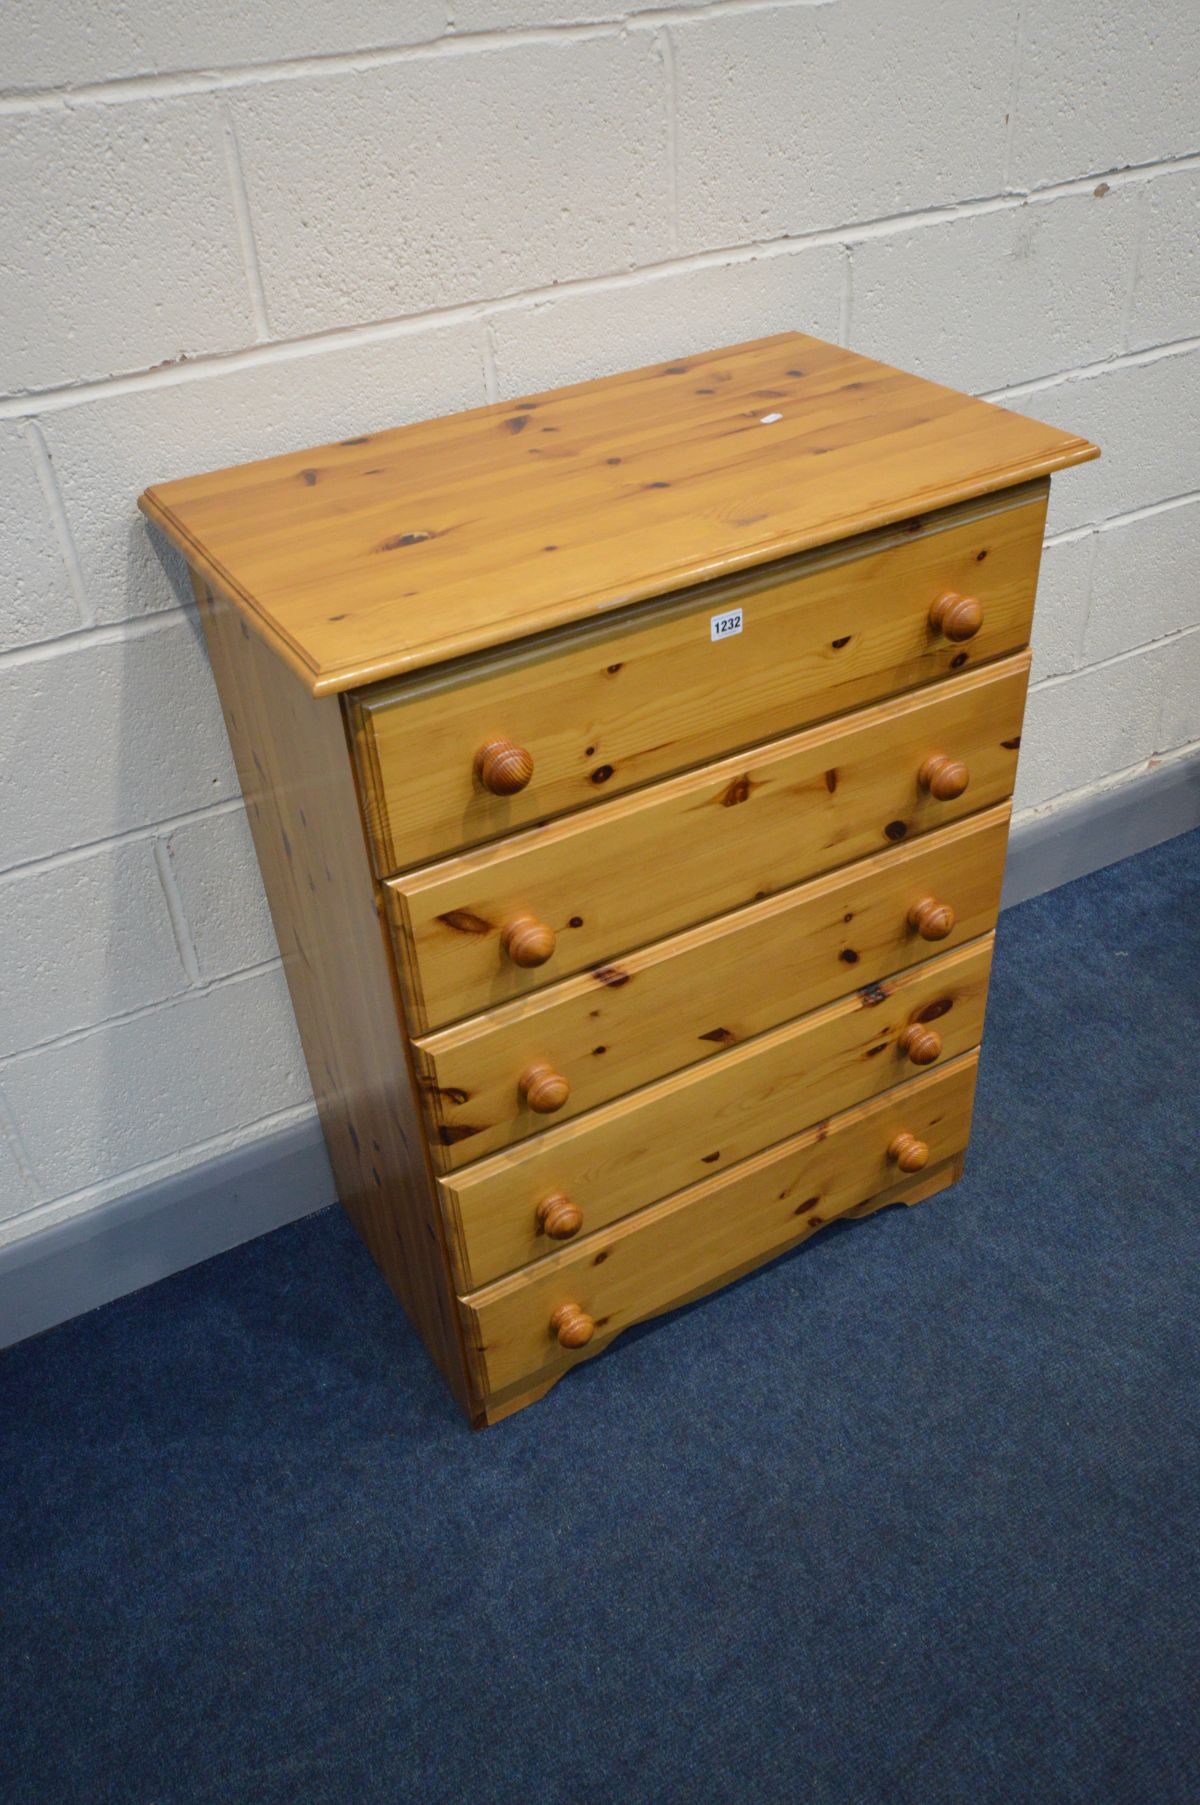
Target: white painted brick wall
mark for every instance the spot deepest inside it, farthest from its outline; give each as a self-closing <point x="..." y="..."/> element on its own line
<point x="394" y="189"/>
<point x="83" y="940"/>
<point x="795" y="118"/>
<point x="1101" y="84"/>
<point x="128" y="241"/>
<point x="234" y="230"/>
<point x="494" y="15"/>
<point x="76" y="41"/>
<point x="196" y="1068"/>
<point x="1146" y="582"/>
<point x="1164" y="304"/>
<point x="1050" y="278"/>
<point x="108" y="735"/>
<point x="37" y="598"/>
<point x="1180" y="719"/>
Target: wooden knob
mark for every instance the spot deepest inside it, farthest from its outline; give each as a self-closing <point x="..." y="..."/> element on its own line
<point x="503" y="768"/>
<point x="528" y="941"/>
<point x="543" y="1088"/>
<point x="573" y="1326"/>
<point x="944" y="778"/>
<point x="908" y="1152"/>
<point x="931" y="919"/>
<point x="956" y="617"/>
<point x="923" y="1045"/>
<point x="558" y="1217"/>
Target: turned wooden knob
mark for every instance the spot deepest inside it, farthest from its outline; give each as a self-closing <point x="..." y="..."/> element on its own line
<point x="956" y="617"/>
<point x="908" y="1152"/>
<point x="503" y="768"/>
<point x="573" y="1326"/>
<point x="543" y="1088"/>
<point x="922" y="1044"/>
<point x="944" y="778"/>
<point x="932" y="920"/>
<point x="558" y="1217"/>
<point x="528" y="941"/>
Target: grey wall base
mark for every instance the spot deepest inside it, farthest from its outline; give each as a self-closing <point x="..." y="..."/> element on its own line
<point x="149" y="1234"/>
<point x="77" y="1265"/>
<point x="1103" y="827"/>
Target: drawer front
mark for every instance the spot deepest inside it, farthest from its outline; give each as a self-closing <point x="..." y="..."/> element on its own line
<point x="498" y="923"/>
<point x="690" y="998"/>
<point x="620" y="703"/>
<point x="525" y="1203"/>
<point x="714" y="1230"/>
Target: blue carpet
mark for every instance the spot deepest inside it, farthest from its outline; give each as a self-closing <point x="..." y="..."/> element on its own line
<point x="912" y="1515"/>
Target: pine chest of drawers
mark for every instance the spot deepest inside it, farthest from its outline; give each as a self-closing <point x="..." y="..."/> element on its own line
<point x="629" y="769"/>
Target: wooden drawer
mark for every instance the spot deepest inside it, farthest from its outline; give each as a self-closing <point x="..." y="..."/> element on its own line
<point x="618" y="1159"/>
<point x="713" y="1231"/>
<point x="596" y="884"/>
<point x="642" y="695"/>
<point x="689" y="998"/>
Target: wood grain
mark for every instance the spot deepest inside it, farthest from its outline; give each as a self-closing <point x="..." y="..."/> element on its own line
<point x="689" y="998"/>
<point x="600" y="709"/>
<point x="653" y="862"/>
<point x="666" y="1136"/>
<point x="664" y="1254"/>
<point x="294" y="766"/>
<point x="395" y="551"/>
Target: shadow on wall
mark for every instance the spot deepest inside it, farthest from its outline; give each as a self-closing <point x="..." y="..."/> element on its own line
<point x="163" y="558"/>
<point x="134" y="1037"/>
<point x="225" y="1055"/>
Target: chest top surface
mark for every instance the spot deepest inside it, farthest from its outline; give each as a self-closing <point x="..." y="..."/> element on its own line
<point x="400" y="549"/>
